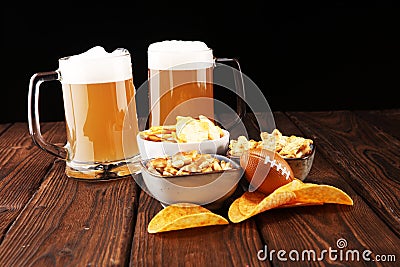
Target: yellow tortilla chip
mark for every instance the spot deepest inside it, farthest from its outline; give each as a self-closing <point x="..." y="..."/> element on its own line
<point x="298" y="204"/>
<point x="293" y="194"/>
<point x="322" y="194"/>
<point x="253" y="203"/>
<point x="249" y="200"/>
<point x="234" y="213"/>
<point x="310" y="193"/>
<point x="293" y="185"/>
<point x="250" y="204"/>
<point x="183" y="216"/>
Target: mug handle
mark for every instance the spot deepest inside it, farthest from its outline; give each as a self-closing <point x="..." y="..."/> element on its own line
<point x="240" y="98"/>
<point x="33" y="113"/>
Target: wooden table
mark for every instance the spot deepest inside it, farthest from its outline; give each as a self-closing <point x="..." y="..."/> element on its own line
<point x="47" y="219"/>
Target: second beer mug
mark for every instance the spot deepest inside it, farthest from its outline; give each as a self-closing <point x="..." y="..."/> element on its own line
<point x="181" y="82"/>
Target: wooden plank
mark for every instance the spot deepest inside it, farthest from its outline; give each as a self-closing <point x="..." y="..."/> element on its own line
<point x="222" y="245"/>
<point x="364" y="156"/>
<point x="23" y="166"/>
<point x="316" y="228"/>
<point x="73" y="223"/>
<point x="385" y="120"/>
<point x="4" y="127"/>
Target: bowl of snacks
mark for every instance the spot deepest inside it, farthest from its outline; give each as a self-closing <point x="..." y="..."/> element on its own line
<point x="187" y="134"/>
<point x="191" y="177"/>
<point x="298" y="151"/>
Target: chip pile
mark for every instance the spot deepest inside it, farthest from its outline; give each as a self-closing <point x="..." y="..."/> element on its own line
<point x="186" y="130"/>
<point x="185" y="163"/>
<point x="286" y="146"/>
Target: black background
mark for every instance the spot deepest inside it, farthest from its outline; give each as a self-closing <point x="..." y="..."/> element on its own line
<point x="302" y="55"/>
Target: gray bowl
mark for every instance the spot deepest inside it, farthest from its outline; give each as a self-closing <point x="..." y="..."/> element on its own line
<point x="300" y="166"/>
<point x="207" y="189"/>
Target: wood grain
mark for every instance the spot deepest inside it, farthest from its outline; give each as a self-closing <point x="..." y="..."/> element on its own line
<point x="222" y="245"/>
<point x="385" y="120"/>
<point x="73" y="223"/>
<point x="4" y="127"/>
<point x="320" y="227"/>
<point x="364" y="156"/>
<point x="23" y="167"/>
<point x="48" y="219"/>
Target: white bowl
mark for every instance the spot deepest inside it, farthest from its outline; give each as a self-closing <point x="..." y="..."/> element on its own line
<point x="206" y="189"/>
<point x="151" y="149"/>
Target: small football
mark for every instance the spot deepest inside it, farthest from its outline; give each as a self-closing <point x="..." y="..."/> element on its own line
<point x="265" y="170"/>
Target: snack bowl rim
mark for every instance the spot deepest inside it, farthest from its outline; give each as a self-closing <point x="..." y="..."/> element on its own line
<point x="226" y="133"/>
<point x="313" y="146"/>
<point x="198" y="190"/>
<point x="151" y="149"/>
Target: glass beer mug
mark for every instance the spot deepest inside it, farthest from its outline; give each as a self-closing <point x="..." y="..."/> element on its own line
<point x="181" y="83"/>
<point x="101" y="121"/>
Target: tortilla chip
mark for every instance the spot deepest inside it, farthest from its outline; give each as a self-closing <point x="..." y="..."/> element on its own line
<point x="310" y="193"/>
<point x="299" y="204"/>
<point x="294" y="194"/>
<point x="293" y="185"/>
<point x="234" y="213"/>
<point x="322" y="194"/>
<point x="253" y="203"/>
<point x="183" y="216"/>
<point x="248" y="205"/>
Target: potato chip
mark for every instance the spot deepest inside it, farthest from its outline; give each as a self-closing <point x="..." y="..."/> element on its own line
<point x="186" y="130"/>
<point x="183" y="216"/>
<point x="286" y="146"/>
<point x="213" y="130"/>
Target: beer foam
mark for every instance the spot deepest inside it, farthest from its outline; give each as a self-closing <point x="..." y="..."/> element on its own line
<point x="179" y="55"/>
<point x="96" y="66"/>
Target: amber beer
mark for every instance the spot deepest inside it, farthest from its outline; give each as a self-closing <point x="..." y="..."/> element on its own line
<point x="99" y="105"/>
<point x="95" y="121"/>
<point x="100" y="114"/>
<point x="180" y="81"/>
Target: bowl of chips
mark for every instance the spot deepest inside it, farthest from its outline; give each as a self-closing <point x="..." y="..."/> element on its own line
<point x="301" y="166"/>
<point x="191" y="177"/>
<point x="298" y="151"/>
<point x="187" y="134"/>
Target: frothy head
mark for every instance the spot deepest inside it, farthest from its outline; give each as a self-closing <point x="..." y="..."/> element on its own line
<point x="96" y="66"/>
<point x="179" y="55"/>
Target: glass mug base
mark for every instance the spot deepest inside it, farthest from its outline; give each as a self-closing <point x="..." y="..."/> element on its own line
<point x="103" y="171"/>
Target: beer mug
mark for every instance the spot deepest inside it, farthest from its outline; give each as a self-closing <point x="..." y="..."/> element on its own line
<point x="181" y="82"/>
<point x="100" y="114"/>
